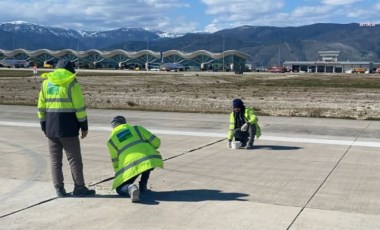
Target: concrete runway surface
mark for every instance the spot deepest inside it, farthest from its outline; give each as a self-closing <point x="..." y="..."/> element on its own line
<point x="304" y="173"/>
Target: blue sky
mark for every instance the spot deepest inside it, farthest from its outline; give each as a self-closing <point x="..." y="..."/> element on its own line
<point x="179" y="16"/>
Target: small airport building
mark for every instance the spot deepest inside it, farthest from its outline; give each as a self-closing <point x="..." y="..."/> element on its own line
<point x="230" y="60"/>
<point x="329" y="63"/>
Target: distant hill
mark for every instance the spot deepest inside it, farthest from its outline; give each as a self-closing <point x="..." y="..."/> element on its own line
<point x="266" y="45"/>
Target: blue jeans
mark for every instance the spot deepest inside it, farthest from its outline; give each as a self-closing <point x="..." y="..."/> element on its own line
<point x="122" y="190"/>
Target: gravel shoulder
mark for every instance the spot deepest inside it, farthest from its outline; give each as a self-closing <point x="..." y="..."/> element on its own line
<point x="352" y="96"/>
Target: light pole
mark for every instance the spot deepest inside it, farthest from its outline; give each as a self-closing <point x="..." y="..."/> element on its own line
<point x="78" y="53"/>
<point x="147" y="48"/>
<point x="13" y="38"/>
<point x="223" y="52"/>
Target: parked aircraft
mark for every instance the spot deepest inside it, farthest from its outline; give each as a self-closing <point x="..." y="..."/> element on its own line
<point x="14" y="63"/>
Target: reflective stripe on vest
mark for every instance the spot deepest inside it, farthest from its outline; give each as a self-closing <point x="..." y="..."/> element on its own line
<point x="80" y="109"/>
<point x="64" y="110"/>
<point x="82" y="119"/>
<point x="138" y="132"/>
<point x="152" y="138"/>
<point x="136" y="163"/>
<point x="129" y="145"/>
<point x="58" y="99"/>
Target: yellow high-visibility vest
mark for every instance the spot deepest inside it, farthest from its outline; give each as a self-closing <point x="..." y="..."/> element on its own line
<point x="133" y="150"/>
<point x="60" y="92"/>
<point x="249" y="116"/>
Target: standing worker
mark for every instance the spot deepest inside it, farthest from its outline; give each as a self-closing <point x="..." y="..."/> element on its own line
<point x="35" y="70"/>
<point x="133" y="150"/>
<point x="243" y="125"/>
<point x="62" y="113"/>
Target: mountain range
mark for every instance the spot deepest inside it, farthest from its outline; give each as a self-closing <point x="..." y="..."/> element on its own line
<point x="266" y="45"/>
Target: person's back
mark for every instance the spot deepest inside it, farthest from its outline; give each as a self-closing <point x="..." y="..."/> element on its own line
<point x="133" y="151"/>
<point x="62" y="113"/>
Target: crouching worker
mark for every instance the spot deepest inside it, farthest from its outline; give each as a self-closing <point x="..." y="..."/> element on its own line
<point x="133" y="151"/>
<point x="243" y="125"/>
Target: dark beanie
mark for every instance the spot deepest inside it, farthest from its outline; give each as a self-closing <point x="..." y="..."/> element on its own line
<point x="65" y="64"/>
<point x="237" y="103"/>
<point x="118" y="120"/>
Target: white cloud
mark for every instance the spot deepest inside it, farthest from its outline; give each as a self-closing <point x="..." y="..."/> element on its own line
<point x="274" y="13"/>
<point x="358" y="13"/>
<point x="339" y="2"/>
<point x="229" y="14"/>
<point x="213" y="27"/>
<point x="242" y="6"/>
<point x="164" y="4"/>
<point x="97" y="14"/>
<point x="306" y="11"/>
<point x="186" y="15"/>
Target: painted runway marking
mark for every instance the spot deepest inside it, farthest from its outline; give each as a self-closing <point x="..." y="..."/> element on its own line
<point x="223" y="135"/>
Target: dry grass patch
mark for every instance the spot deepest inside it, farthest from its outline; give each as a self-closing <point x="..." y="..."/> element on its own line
<point x="309" y="95"/>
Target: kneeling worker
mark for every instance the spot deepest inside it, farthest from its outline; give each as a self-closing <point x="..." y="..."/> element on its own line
<point x="133" y="151"/>
<point x="243" y="125"/>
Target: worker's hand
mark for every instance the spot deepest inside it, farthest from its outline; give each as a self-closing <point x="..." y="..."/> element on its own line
<point x="84" y="134"/>
<point x="244" y="128"/>
<point x="229" y="144"/>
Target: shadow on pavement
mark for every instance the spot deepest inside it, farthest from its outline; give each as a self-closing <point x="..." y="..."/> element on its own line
<point x="194" y="195"/>
<point x="276" y="147"/>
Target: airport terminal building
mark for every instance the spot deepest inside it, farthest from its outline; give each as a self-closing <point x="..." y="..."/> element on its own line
<point x="230" y="60"/>
<point x="329" y="63"/>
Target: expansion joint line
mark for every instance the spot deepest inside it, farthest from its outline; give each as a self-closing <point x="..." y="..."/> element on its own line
<point x="31" y="206"/>
<point x="170" y="158"/>
<point x="48" y="200"/>
<point x="327" y="177"/>
<point x="192" y="150"/>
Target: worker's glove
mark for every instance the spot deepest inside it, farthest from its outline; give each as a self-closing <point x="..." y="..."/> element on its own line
<point x="244" y="128"/>
<point x="229" y="144"/>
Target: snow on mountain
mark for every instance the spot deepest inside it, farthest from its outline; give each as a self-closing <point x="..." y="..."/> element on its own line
<point x="23" y="27"/>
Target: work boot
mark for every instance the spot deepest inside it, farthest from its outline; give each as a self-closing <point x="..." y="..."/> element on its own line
<point x="134" y="193"/>
<point x="61" y="192"/>
<point x="243" y="144"/>
<point x="249" y="146"/>
<point x="82" y="191"/>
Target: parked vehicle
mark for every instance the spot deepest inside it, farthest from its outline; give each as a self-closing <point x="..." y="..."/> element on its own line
<point x="14" y="63"/>
<point x="358" y="70"/>
<point x="48" y="64"/>
<point x="277" y="69"/>
<point x="172" y="67"/>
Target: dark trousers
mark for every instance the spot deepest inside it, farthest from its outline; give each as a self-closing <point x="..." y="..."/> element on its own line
<point x="122" y="190"/>
<point x="247" y="136"/>
<point x="71" y="145"/>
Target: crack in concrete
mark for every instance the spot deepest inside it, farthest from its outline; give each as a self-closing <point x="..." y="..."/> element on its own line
<point x="107" y="179"/>
<point x="327" y="177"/>
<point x="181" y="154"/>
<point x="31" y="206"/>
